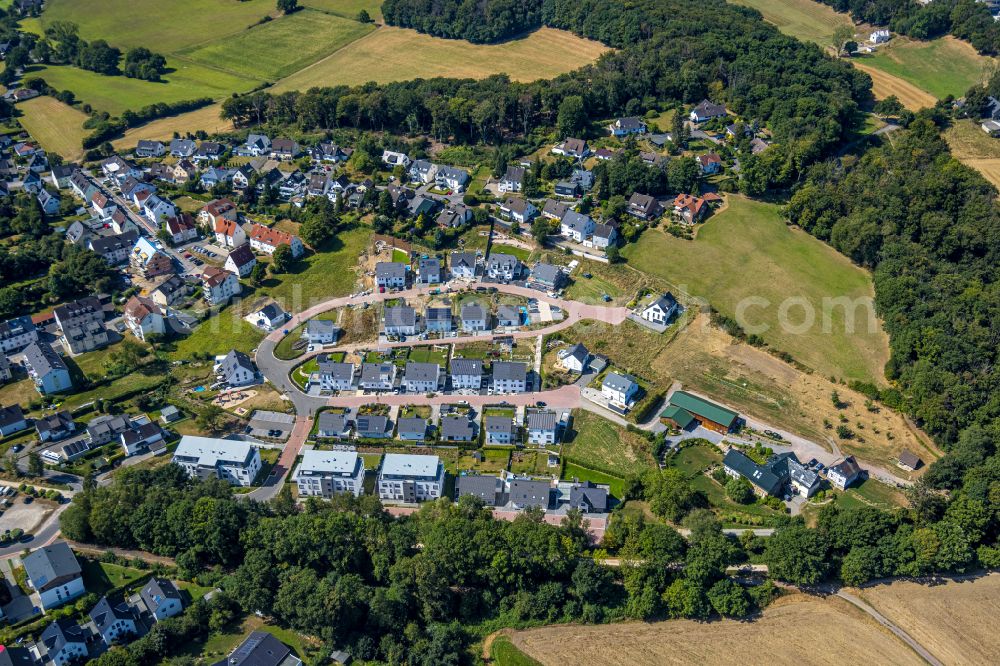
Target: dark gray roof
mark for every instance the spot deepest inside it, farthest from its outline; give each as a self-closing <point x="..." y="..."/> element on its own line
<point x="59" y="633"/>
<point x="485" y="488"/>
<point x="618" y="382"/>
<point x="578" y="351"/>
<point x="526" y="493"/>
<point x="412" y="425"/>
<point x="510" y="370"/>
<point x="233" y="360"/>
<point x="11" y="415"/>
<point x="666" y="302"/>
<point x="467" y="259"/>
<point x="576" y="221"/>
<point x="499" y="424"/>
<point x="422" y="372"/>
<point x="546" y="273"/>
<point x="438" y="314"/>
<point x="142" y="433"/>
<point x="466" y="366"/>
<point x="507" y="312"/>
<point x="16" y="656"/>
<point x="503" y="261"/>
<point x="106" y="613"/>
<point x="333" y="421"/>
<point x="372" y="372"/>
<point x="761" y="476"/>
<point x="15" y="327"/>
<point x="50" y="563"/>
<point x="258" y="649"/>
<point x="390" y="269"/>
<point x="473" y="311"/>
<point x="514" y="174"/>
<point x="372" y="424"/>
<point x="400" y="315"/>
<point x="457" y="427"/>
<point x="337" y="370"/>
<point x="320" y="326"/>
<point x="588" y="496"/>
<point x="542" y="420"/>
<point x="158" y="590"/>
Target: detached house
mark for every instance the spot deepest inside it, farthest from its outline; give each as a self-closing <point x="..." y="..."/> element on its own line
<point x="155" y="209"/>
<point x="285" y="149"/>
<point x="503" y="267"/>
<point x="421" y="377"/>
<point x="475" y="318"/>
<point x="228" y="233"/>
<point x="181" y="228"/>
<point x="82" y="325"/>
<point x="267" y="240"/>
<point x="255" y="146"/>
<point x="182" y="148"/>
<point x="575" y="148"/>
<point x="689" y="209"/>
<point x="377" y="376"/>
<point x="644" y="206"/>
<point x="660" y="310"/>
<point x="619" y="390"/>
<point x="707" y="111"/>
<point x="399" y="320"/>
<point x="510" y="377"/>
<point x="206" y="457"/>
<point x="512" y="181"/>
<point x="161" y="599"/>
<point x="393" y="159"/>
<point x="710" y="163"/>
<point x="144" y="317"/>
<point x="517" y="209"/>
<point x="625" y="126"/>
<point x="63" y="642"/>
<point x="218" y="285"/>
<point x="170" y="291"/>
<point x="46" y="368"/>
<point x="451" y="178"/>
<point x="113" y="620"/>
<point x="463" y="265"/>
<point x="390" y="274"/>
<point x="845" y="473"/>
<point x="53" y="572"/>
<point x="422" y="171"/>
<point x="235" y="370"/>
<point x="241" y="260"/>
<point x="220" y="209"/>
<point x="466" y="373"/>
<point x="576" y="226"/>
<point x="335" y="376"/>
<point x="429" y="270"/>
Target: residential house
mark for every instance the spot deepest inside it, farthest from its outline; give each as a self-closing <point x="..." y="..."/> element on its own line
<point x="6" y="374"/>
<point x="584" y="178"/>
<point x="510" y="377"/>
<point x="255" y="146"/>
<point x="619" y="390"/>
<point x="119" y="170"/>
<point x="149" y="261"/>
<point x="60" y="175"/>
<point x="845" y="473"/>
<point x="54" y="427"/>
<point x="567" y="188"/>
<point x="67" y="452"/>
<point x="909" y="461"/>
<point x="82" y="325"/>
<point x="144" y="317"/>
<point x="321" y="331"/>
<point x="218" y="285"/>
<point x="575" y="358"/>
<point x="399" y="320"/>
<point x="169" y="414"/>
<point x="16" y="656"/>
<point x="575" y="148"/>
<point x="208" y="151"/>
<point x="184" y="171"/>
<point x="710" y="163"/>
<point x="518" y="209"/>
<point x="547" y="277"/>
<point x="644" y="207"/>
<point x="235" y="461"/>
<point x="393" y="159"/>
<point x="421" y="377"/>
<point x="335" y="376"/>
<point x="391" y="274"/>
<point x="53" y="572"/>
<point x="267" y="240"/>
<point x="261" y="649"/>
<point x="240" y="261"/>
<point x="509" y="316"/>
<point x="170" y="291"/>
<point x="880" y="36"/>
<point x="660" y="310"/>
<point x="451" y="178"/>
<point x="49" y="202"/>
<point x="285" y="149"/>
<point x="429" y="270"/>
<point x="706" y="111"/>
<point x="463" y="265"/>
<point x="475" y="318"/>
<point x="144" y="438"/>
<point x="82" y="186"/>
<point x="219" y="209"/>
<point x="801" y="480"/>
<point x="242" y="176"/>
<point x="330" y="152"/>
<point x="588" y="497"/>
<point x="576" y="226"/>
<point x="503" y="267"/>
<point x="12" y="420"/>
<point x="512" y="181"/>
<point x="554" y="210"/>
<point x="421" y="205"/>
<point x="684" y="406"/>
<point x="466" y="373"/>
<point x="453" y="216"/>
<point x="438" y="319"/>
<point x="17" y="333"/>
<point x="156" y="208"/>
<point x="214" y="176"/>
<point x="63" y="642"/>
<point x="489" y="489"/>
<point x="372" y="426"/>
<point x="181" y="228"/>
<point x="104" y="429"/>
<point x="333" y="425"/>
<point x="624" y="126"/>
<point x="422" y="171"/>
<point x="113" y="620"/>
<point x="46" y="369"/>
<point x="689" y="208"/>
<point x="235" y="370"/>
<point x="411" y="428"/>
<point x="410" y="478"/>
<point x="457" y="428"/>
<point x="182" y="148"/>
<point x="377" y="376"/>
<point x="268" y="318"/>
<point x="161" y="598"/>
<point x="228" y="233"/>
<point x="526" y="493"/>
<point x="328" y="473"/>
<point x="499" y="430"/>
<point x="603" y="237"/>
<point x="102" y="204"/>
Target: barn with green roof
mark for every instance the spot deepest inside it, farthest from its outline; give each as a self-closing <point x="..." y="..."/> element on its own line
<point x="683" y="409"/>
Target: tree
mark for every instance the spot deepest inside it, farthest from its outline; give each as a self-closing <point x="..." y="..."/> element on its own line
<point x="364" y="17"/>
<point x="287" y="6"/>
<point x="799" y="555"/>
<point x="671" y="495"/>
<point x="211" y="418"/>
<point x="613" y="254"/>
<point x="281" y="260"/>
<point x="728" y="598"/>
<point x="841" y="36"/>
<point x="258" y="273"/>
<point x="540" y="229"/>
<point x="890" y="107"/>
<point x="739" y="490"/>
<point x="571" y="118"/>
<point x="10" y="465"/>
<point x="36" y="467"/>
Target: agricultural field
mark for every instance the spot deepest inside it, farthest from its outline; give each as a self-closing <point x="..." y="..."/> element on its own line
<point x="941" y="67"/>
<point x="970" y="145"/>
<point x="56" y="126"/>
<point x="886" y="85"/>
<point x="747" y="261"/>
<point x="793" y="630"/>
<point x="806" y="20"/>
<point x="204" y="119"/>
<point x="347" y="8"/>
<point x="952" y="619"/>
<point x="292" y="43"/>
<point x="600" y="444"/>
<point x="396" y="54"/>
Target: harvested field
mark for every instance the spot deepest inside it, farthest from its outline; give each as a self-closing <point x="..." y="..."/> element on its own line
<point x="805" y="20"/>
<point x="970" y="145"/>
<point x="794" y="630"/>
<point x="206" y="118"/>
<point x="885" y="85"/>
<point x="952" y="620"/>
<point x="990" y="169"/>
<point x="397" y="54"/>
<point x="941" y="67"/>
<point x="56" y="126"/>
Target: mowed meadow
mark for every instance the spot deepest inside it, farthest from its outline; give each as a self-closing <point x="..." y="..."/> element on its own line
<point x="215" y="48"/>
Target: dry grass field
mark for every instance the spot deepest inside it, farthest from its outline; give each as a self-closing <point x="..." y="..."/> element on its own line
<point x="954" y="620"/>
<point x="886" y="85"/>
<point x="56" y="126"/>
<point x="794" y="630"/>
<point x="205" y="118"/>
<point x="397" y="54"/>
<point x="941" y="67"/>
<point x="805" y="20"/>
<point x="970" y="145"/>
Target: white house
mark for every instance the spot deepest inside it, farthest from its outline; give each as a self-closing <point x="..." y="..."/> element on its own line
<point x="161" y="598"/>
<point x="880" y="36"/>
<point x="390" y="274"/>
<point x="334" y="376"/>
<point x="451" y="178"/>
<point x="393" y="159"/>
<point x="268" y="318"/>
<point x="63" y="642"/>
<point x="475" y="318"/>
<point x="234" y="461"/>
<point x="463" y="265"/>
<point x="377" y="376"/>
<point x="503" y="267"/>
<point x="267" y="240"/>
<point x="218" y="286"/>
<point x="576" y="226"/>
<point x="512" y="181"/>
<point x="619" y="389"/>
<point x="466" y="373"/>
<point x="518" y="209"/>
<point x="409" y="478"/>
<point x="328" y="473"/>
<point x="240" y="261"/>
<point x="421" y="377"/>
<point x="510" y="377"/>
<point x="660" y="310"/>
<point x="144" y="317"/>
<point x="321" y="331"/>
<point x="574" y="358"/>
<point x="400" y="320"/>
<point x="228" y="233"/>
<point x="113" y="620"/>
<point x="155" y="209"/>
<point x="142" y="439"/>
<point x="236" y="369"/>
<point x="422" y="171"/>
<point x="542" y="427"/>
<point x="53" y="572"/>
<point x="844" y="473"/>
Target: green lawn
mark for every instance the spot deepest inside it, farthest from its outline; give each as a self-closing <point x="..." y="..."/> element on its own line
<point x="571" y="471"/>
<point x="347" y="8"/>
<point x="428" y="354"/>
<point x="746" y="261"/>
<point x="504" y="653"/>
<point x="942" y="67"/>
<point x="601" y="444"/>
<point x="284" y="349"/>
<point x="99" y="577"/>
<point x="292" y="43"/>
<point x="805" y="20"/>
<point x="218" y="335"/>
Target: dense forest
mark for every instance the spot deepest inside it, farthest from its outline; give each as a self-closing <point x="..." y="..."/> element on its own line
<point x="680" y="51"/>
<point x="965" y="19"/>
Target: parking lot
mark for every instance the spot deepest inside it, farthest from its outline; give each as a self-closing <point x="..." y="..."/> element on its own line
<point x="271" y="425"/>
